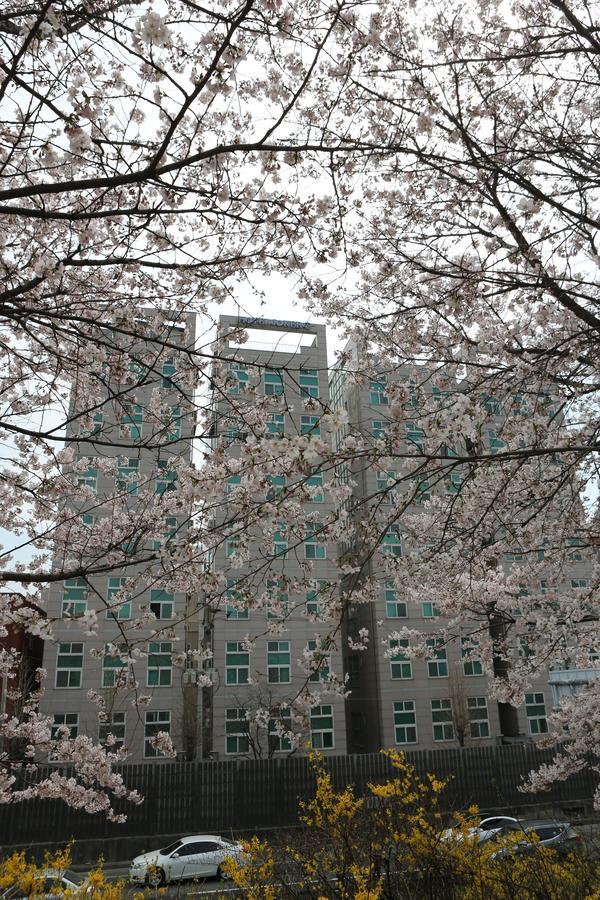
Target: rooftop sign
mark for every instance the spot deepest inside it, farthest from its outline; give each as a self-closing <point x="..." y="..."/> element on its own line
<point x="273" y="323"/>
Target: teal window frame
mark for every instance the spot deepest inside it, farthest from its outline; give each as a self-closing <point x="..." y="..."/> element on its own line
<point x="131" y="422"/>
<point x="310" y="425"/>
<point x="438" y="666"/>
<point x="442" y="722"/>
<point x="279" y="743"/>
<point x="162" y="603"/>
<point x="168" y="372"/>
<point x="166" y="477"/>
<point x="479" y="719"/>
<point x="391" y="543"/>
<point x="69" y="665"/>
<point x="122" y="612"/>
<point x="322" y="734"/>
<point x="176" y="424"/>
<point x="535" y="710"/>
<point x="313" y="547"/>
<point x="472" y="668"/>
<point x="115" y="726"/>
<point x="280" y="542"/>
<point x="170" y="530"/>
<point x="308" y="382"/>
<point x="237" y="663"/>
<point x="237" y="731"/>
<point x="276" y="424"/>
<point x="128" y="473"/>
<point x="400" y="664"/>
<point x="283" y="600"/>
<point x="273" y="383"/>
<point x="316" y="480"/>
<point x="68" y="720"/>
<point x="279" y="662"/>
<point x="323" y="661"/>
<point x="89" y="478"/>
<point x="377" y="393"/>
<point x="74" y="598"/>
<point x="379" y="429"/>
<point x="429" y="610"/>
<point x="240" y="372"/>
<point x="114" y="670"/>
<point x="155" y="720"/>
<point x="159" y="672"/>
<point x="394" y="608"/>
<point x="405" y="722"/>
<point x="415" y="436"/>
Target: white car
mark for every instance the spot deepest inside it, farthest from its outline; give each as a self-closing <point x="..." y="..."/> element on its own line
<point x="194" y="856"/>
<point x="54" y="885"/>
<point x="484" y="830"/>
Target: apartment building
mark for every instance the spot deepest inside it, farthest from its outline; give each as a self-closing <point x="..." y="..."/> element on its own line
<point x="268" y="609"/>
<point x="125" y="455"/>
<point x="395" y="700"/>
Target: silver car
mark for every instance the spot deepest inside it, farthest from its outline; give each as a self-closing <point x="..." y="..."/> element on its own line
<point x="559" y="836"/>
<point x="483" y="830"/>
<point x="194" y="856"/>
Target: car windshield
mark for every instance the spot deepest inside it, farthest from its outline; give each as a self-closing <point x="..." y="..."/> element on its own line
<point x="75" y="877"/>
<point x="171" y="848"/>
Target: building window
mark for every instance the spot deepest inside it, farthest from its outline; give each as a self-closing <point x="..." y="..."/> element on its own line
<point x="315" y="484"/>
<point x="131" y="421"/>
<point x="112" y="732"/>
<point x="471" y="666"/>
<point x="394" y="608"/>
<point x="308" y="381"/>
<point x="232" y="545"/>
<point x="515" y="555"/>
<point x="429" y="610"/>
<point x="479" y="725"/>
<point x="494" y="442"/>
<point x="575" y="555"/>
<point x="161" y="604"/>
<point x="89" y="477"/>
<point x="579" y="584"/>
<point x="165" y="477"/>
<point x="377" y="393"/>
<point x="127" y="474"/>
<point x="237" y="738"/>
<point x="314" y="546"/>
<point x="114" y="668"/>
<point x="379" y="429"/>
<point x="321" y="662"/>
<point x="160" y="664"/>
<point x="69" y="665"/>
<point x="391" y="544"/>
<point x="321" y="727"/>
<point x="234" y="608"/>
<point x="278" y="662"/>
<point x="232" y="483"/>
<point x="280" y="544"/>
<point x="91" y="424"/>
<point x="400" y="664"/>
<point x="535" y="708"/>
<point x="438" y="666"/>
<point x="415" y="436"/>
<point x="237" y="663"/>
<point x="276" y="424"/>
<point x="233" y="431"/>
<point x="175" y="424"/>
<point x="116" y="610"/>
<point x="492" y="405"/>
<point x="168" y="373"/>
<point x="310" y="425"/>
<point x="155" y="721"/>
<point x="313" y="606"/>
<point x="422" y="491"/>
<point x="238" y="376"/>
<point x="441" y="720"/>
<point x="280" y="727"/>
<point x="70" y="721"/>
<point x="273" y="383"/>
<point x="277" y="487"/>
<point x="169" y="531"/>
<point x="278" y="600"/>
<point x="74" y="599"/>
<point x="405" y="722"/>
<point x="453" y="483"/>
<point x="385" y="485"/>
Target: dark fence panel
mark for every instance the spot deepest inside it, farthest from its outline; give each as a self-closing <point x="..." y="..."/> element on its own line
<point x="221" y="796"/>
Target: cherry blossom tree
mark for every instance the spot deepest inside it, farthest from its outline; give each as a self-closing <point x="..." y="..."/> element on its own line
<point x="428" y="176"/>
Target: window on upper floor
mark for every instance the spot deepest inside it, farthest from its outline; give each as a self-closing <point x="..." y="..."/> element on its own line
<point x="308" y="380"/>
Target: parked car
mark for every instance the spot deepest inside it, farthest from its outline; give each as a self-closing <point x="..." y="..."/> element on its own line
<point x="194" y="856"/>
<point x="559" y="836"/>
<point x="53" y="884"/>
<point x="483" y="830"/>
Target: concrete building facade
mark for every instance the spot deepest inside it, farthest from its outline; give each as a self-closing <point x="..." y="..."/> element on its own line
<point x="125" y="456"/>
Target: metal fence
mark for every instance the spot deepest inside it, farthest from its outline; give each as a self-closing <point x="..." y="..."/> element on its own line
<point x="261" y="794"/>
